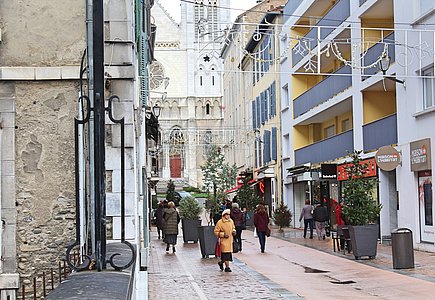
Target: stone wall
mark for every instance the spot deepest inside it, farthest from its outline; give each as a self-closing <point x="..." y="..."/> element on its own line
<point x="44" y="152"/>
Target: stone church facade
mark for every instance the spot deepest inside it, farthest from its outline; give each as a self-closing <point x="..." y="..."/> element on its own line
<point x="186" y="81"/>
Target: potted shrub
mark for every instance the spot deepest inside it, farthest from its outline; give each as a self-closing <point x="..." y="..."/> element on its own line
<point x="190" y="212"/>
<point x="360" y="209"/>
<point x="282" y="217"/>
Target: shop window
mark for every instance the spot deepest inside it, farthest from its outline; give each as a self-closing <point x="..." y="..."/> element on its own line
<point x="425" y="197"/>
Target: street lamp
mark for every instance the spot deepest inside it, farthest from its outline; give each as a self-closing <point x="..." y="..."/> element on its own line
<point x="384" y="65"/>
<point x="156" y="110"/>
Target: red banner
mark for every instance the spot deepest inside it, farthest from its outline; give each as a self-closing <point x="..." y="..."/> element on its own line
<point x="370" y="172"/>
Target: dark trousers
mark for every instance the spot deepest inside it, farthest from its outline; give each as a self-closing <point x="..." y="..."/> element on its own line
<point x="238" y="237"/>
<point x="262" y="239"/>
<point x="308" y="222"/>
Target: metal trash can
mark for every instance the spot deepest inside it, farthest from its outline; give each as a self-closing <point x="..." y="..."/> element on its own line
<point x="402" y="247"/>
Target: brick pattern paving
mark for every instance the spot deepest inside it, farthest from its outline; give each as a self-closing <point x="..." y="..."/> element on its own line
<point x="186" y="275"/>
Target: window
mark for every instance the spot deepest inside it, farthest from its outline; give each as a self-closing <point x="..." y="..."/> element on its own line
<point x="212" y="80"/>
<point x="285" y="96"/>
<point x="345" y="125"/>
<point x="207" y="109"/>
<point x="428" y="88"/>
<point x="200" y="80"/>
<point x="329" y="131"/>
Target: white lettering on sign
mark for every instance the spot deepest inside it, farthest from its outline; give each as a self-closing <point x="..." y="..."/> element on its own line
<point x="418" y="156"/>
<point x="388" y="158"/>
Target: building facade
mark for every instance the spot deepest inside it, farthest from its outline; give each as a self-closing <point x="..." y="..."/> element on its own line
<point x="187" y="62"/>
<point x="46" y="82"/>
<point x="350" y="83"/>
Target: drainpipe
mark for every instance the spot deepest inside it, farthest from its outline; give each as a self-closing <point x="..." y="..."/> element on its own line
<point x="2" y="224"/>
<point x="90" y="73"/>
<point x="99" y="135"/>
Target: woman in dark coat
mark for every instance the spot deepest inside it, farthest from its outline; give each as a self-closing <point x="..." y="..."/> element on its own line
<point x="261" y="222"/>
<point x="172" y="218"/>
<point x="239" y="221"/>
<point x="160" y="222"/>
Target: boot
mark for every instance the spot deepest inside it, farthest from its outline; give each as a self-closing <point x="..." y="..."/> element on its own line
<point x="167" y="247"/>
<point x="173" y="249"/>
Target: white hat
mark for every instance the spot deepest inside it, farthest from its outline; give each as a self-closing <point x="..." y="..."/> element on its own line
<point x="226" y="211"/>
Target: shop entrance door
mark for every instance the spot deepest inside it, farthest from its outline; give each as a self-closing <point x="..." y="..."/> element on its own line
<point x="426" y="206"/>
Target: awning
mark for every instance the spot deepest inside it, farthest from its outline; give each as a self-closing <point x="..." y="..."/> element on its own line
<point x="234" y="189"/>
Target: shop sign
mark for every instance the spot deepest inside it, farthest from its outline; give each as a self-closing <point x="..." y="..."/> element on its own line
<point x="370" y="172"/>
<point x="420" y="155"/>
<point x="328" y="171"/>
<point x="387" y="158"/>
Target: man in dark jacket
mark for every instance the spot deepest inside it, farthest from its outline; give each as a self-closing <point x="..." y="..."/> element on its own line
<point x="320" y="217"/>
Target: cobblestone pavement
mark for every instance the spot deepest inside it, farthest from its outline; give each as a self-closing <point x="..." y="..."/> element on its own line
<point x="291" y="268"/>
<point x="186" y="275"/>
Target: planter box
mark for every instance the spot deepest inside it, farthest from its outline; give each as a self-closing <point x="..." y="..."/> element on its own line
<point x="364" y="240"/>
<point x="249" y="218"/>
<point x="207" y="240"/>
<point x="190" y="230"/>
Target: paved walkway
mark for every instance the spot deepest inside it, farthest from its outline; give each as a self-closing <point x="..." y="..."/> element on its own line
<point x="291" y="268"/>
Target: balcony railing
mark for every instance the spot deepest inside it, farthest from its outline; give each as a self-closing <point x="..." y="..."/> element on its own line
<point x="335" y="16"/>
<point x="323" y="91"/>
<point x="374" y="52"/>
<point x="380" y="133"/>
<point x="328" y="149"/>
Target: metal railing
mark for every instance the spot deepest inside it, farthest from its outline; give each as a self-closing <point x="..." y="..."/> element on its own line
<point x="325" y="150"/>
<point x="333" y="18"/>
<point x="323" y="91"/>
<point x="380" y="133"/>
<point x="40" y="285"/>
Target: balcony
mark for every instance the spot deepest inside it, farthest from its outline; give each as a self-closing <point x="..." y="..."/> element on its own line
<point x="374" y="52"/>
<point x="334" y="18"/>
<point x="325" y="150"/>
<point x="323" y="91"/>
<point x="380" y="133"/>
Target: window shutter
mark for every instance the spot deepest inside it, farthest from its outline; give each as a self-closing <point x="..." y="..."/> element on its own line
<point x="274" y="144"/>
<point x="258" y="111"/>
<point x="254" y="115"/>
<point x="266" y="141"/>
<point x="273" y="99"/>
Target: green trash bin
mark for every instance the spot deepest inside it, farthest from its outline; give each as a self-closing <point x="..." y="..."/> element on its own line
<point x="402" y="248"/>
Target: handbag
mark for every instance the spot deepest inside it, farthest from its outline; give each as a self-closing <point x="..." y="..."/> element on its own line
<point x="255" y="232"/>
<point x="217" y="248"/>
<point x="268" y="231"/>
<point x="236" y="247"/>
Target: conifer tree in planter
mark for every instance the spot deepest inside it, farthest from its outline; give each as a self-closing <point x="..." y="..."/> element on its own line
<point x="282" y="216"/>
<point x="248" y="199"/>
<point x="218" y="176"/>
<point x="190" y="212"/>
<point x="360" y="208"/>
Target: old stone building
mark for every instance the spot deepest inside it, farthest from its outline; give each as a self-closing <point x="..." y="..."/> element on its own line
<point x="39" y="88"/>
<point x="190" y="72"/>
<point x="45" y="79"/>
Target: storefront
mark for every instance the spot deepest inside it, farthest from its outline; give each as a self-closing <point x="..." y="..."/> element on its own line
<point x="372" y="171"/>
<point x="421" y="166"/>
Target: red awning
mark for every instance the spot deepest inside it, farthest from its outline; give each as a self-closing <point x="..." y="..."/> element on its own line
<point x="234" y="189"/>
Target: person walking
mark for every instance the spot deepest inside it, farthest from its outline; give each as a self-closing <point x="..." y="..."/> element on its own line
<point x="307" y="215"/>
<point x="320" y="217"/>
<point x="261" y="222"/>
<point x="172" y="218"/>
<point x="225" y="230"/>
<point x="160" y="221"/>
<point x="239" y="221"/>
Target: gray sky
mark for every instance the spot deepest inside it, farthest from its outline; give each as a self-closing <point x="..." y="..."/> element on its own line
<point x="173" y="7"/>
